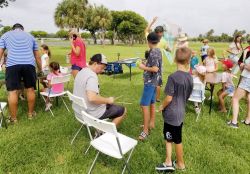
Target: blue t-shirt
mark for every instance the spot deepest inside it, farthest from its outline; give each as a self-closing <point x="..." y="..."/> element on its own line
<point x="20" y="46"/>
<point x="194" y="61"/>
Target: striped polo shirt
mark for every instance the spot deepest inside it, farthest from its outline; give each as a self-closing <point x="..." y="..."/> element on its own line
<point x="20" y="46"/>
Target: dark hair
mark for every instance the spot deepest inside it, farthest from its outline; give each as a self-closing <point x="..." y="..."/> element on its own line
<point x="45" y="47"/>
<point x="17" y="25"/>
<point x="159" y="29"/>
<point x="54" y="66"/>
<point x="153" y="38"/>
<point x="97" y="58"/>
<point x="235" y="41"/>
<point x="183" y="55"/>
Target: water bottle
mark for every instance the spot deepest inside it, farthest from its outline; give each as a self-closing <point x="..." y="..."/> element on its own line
<point x="67" y="58"/>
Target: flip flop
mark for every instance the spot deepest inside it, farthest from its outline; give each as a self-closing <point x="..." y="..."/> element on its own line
<point x="143" y="136"/>
<point x="174" y="164"/>
<point x="244" y="122"/>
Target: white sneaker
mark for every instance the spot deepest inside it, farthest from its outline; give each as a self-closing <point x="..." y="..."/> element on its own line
<point x="48" y="105"/>
<point x="197" y="110"/>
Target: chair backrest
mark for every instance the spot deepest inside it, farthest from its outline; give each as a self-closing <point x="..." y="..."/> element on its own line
<point x="60" y="79"/>
<point x="77" y="100"/>
<point x="102" y="125"/>
<point x="65" y="70"/>
<point x="198" y="93"/>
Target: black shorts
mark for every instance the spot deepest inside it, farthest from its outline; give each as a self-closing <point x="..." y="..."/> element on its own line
<point x="20" y="73"/>
<point x="113" y="111"/>
<point x="173" y="133"/>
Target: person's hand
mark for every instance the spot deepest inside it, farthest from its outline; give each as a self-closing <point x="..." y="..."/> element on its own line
<point x="242" y="66"/>
<point x="142" y="66"/>
<point x="111" y="100"/>
<point x="160" y="108"/>
<point x="155" y="19"/>
<point x="71" y="40"/>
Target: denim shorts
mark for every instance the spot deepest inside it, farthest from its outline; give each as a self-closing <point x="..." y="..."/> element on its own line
<point x="148" y="96"/>
<point x="230" y="89"/>
<point x="245" y="84"/>
<point x="75" y="67"/>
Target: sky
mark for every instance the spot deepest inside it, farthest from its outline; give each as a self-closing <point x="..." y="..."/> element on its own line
<point x="193" y="16"/>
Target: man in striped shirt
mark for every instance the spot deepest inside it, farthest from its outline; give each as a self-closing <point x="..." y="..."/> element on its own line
<point x="20" y="66"/>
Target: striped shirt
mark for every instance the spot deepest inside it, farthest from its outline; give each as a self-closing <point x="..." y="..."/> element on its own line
<point x="20" y="46"/>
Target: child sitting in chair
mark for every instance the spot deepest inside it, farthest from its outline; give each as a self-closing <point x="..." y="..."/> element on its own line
<point x="211" y="62"/>
<point x="55" y="88"/>
<point x="227" y="84"/>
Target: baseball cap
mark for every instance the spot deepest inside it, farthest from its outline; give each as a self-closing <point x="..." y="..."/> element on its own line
<point x="200" y="69"/>
<point x="153" y="38"/>
<point x="99" y="58"/>
<point x="228" y="63"/>
<point x="17" y="25"/>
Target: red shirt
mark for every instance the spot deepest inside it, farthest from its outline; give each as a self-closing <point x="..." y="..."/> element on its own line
<point x="81" y="59"/>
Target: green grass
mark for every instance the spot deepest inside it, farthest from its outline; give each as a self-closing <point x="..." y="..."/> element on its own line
<point x="42" y="145"/>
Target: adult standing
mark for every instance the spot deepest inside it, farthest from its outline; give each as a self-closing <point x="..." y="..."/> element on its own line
<point x="243" y="89"/>
<point x="78" y="52"/>
<point x="182" y="41"/>
<point x="159" y="30"/>
<point x="22" y="55"/>
<point x="235" y="48"/>
<point x="86" y="86"/>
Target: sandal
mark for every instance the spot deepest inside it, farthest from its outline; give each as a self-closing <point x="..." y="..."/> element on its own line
<point x="11" y="120"/>
<point x="174" y="164"/>
<point x="31" y="115"/>
<point x="143" y="136"/>
<point x="244" y="122"/>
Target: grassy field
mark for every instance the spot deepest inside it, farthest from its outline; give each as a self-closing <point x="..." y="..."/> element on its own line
<point x="42" y="145"/>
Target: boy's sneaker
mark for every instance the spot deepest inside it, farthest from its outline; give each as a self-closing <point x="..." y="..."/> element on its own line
<point x="232" y="125"/>
<point x="48" y="105"/>
<point x="164" y="167"/>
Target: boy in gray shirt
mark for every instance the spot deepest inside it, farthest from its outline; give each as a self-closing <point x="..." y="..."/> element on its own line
<point x="178" y="90"/>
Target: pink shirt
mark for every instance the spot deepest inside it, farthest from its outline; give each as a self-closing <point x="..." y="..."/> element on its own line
<point x="81" y="59"/>
<point x="210" y="64"/>
<point x="56" y="88"/>
<point x="227" y="78"/>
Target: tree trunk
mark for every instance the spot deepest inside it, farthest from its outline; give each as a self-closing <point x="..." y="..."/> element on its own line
<point x="94" y="37"/>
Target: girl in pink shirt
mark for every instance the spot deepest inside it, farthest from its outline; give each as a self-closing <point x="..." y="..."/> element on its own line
<point x="55" y="88"/>
<point x="211" y="62"/>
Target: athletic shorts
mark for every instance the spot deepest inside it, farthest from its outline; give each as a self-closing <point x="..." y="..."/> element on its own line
<point x="113" y="111"/>
<point x="75" y="67"/>
<point x="148" y="96"/>
<point x="203" y="57"/>
<point x="20" y="73"/>
<point x="172" y="134"/>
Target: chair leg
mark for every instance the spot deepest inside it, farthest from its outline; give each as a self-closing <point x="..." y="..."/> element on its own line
<point x="76" y="134"/>
<point x="93" y="164"/>
<point x="49" y="108"/>
<point x="126" y="162"/>
<point x="87" y="150"/>
<point x="65" y="104"/>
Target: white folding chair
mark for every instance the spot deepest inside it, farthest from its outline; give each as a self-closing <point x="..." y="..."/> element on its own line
<point x="198" y="95"/>
<point x="2" y="117"/>
<point x="57" y="80"/>
<point x="81" y="103"/>
<point x="111" y="142"/>
<point x="65" y="70"/>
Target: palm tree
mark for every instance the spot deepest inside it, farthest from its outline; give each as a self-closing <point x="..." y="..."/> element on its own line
<point x="70" y="14"/>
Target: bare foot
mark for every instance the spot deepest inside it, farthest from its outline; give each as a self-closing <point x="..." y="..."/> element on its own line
<point x="223" y="110"/>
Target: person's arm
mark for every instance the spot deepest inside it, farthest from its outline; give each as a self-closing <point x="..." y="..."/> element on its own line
<point x="76" y="49"/>
<point x="150" y="69"/>
<point x="165" y="102"/>
<point x="1" y="53"/>
<point x="216" y="66"/>
<point x="38" y="60"/>
<point x="148" y="28"/>
<point x="224" y="86"/>
<point x="93" y="97"/>
<point x="247" y="67"/>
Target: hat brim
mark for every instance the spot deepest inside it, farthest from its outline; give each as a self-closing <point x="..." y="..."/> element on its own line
<point x="182" y="39"/>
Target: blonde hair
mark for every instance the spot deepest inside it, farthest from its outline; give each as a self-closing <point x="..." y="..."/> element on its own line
<point x="211" y="52"/>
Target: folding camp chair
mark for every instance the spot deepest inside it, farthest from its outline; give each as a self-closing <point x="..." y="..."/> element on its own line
<point x="57" y="80"/>
<point x="111" y="142"/>
<point x="198" y="95"/>
<point x="2" y="117"/>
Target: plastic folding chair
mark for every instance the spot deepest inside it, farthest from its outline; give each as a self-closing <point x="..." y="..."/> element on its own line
<point x="57" y="80"/>
<point x="2" y="119"/>
<point x="111" y="142"/>
<point x="198" y="95"/>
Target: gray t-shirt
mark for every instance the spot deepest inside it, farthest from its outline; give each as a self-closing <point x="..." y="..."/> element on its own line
<point x="154" y="59"/>
<point x="179" y="86"/>
<point x="87" y="80"/>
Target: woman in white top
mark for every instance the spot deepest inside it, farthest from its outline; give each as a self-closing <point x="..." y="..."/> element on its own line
<point x="242" y="91"/>
<point x="235" y="48"/>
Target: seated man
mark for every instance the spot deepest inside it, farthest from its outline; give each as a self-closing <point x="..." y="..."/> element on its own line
<point x="86" y="86"/>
